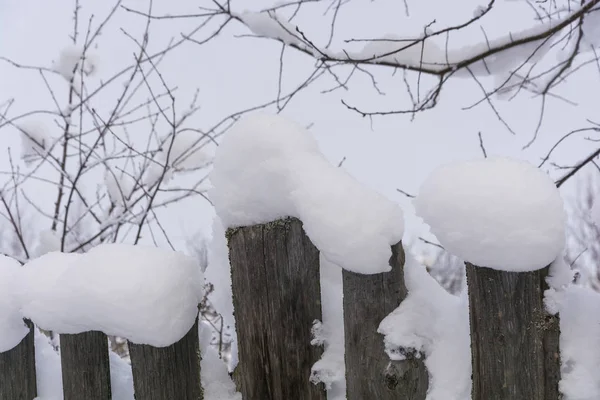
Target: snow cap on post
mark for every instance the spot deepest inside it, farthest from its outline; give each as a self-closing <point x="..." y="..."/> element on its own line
<point x="145" y="294"/>
<point x="496" y="212"/>
<point x="268" y="167"/>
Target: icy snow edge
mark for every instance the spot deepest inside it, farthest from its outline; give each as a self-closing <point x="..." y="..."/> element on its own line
<point x="268" y="167"/>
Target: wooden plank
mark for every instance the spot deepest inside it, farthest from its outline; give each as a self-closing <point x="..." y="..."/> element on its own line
<point x="85" y="366"/>
<point x="277" y="296"/>
<point x="17" y="370"/>
<point x="168" y="373"/>
<point x="514" y="342"/>
<point x="370" y="374"/>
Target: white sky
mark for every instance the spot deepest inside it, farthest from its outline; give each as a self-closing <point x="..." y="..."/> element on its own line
<point x="235" y="72"/>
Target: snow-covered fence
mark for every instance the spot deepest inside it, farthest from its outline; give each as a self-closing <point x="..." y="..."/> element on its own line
<point x="277" y="297"/>
<point x="154" y="305"/>
<point x="164" y="373"/>
<point x="506" y="219"/>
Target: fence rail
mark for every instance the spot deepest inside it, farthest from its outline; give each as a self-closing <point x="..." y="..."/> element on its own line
<point x="277" y="297"/>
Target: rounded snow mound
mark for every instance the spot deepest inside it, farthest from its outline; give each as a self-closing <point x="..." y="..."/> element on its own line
<point x="497" y="212"/>
<point x="268" y="167"/>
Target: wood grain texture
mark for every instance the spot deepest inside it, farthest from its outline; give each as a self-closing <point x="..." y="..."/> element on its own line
<point x="514" y="342"/>
<point x="85" y="366"/>
<point x="168" y="373"/>
<point x="277" y="296"/>
<point x="17" y="370"/>
<point x="370" y="374"/>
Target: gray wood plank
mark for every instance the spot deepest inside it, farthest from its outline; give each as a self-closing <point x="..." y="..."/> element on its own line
<point x="17" y="370"/>
<point x="85" y="366"/>
<point x="370" y="374"/>
<point x="277" y="296"/>
<point x="514" y="342"/>
<point x="168" y="373"/>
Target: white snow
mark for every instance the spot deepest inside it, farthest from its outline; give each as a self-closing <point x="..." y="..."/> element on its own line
<point x="12" y="327"/>
<point x="271" y="25"/>
<point x="495" y="212"/>
<point x="436" y="55"/>
<point x="119" y="185"/>
<point x="72" y="59"/>
<point x="434" y="322"/>
<point x="186" y="152"/>
<point x="35" y="141"/>
<point x="577" y="306"/>
<point x="398" y="50"/>
<point x="47" y="368"/>
<point x="215" y="377"/>
<point x="579" y="342"/>
<point x="268" y="167"/>
<point x="218" y="273"/>
<point x="145" y="294"/>
<point x="330" y="369"/>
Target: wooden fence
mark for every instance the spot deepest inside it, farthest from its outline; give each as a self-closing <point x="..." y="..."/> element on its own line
<point x="276" y="287"/>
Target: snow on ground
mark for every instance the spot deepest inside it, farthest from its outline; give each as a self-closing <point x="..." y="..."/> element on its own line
<point x="215" y="378"/>
<point x="579" y="341"/>
<point x="12" y="327"/>
<point x="145" y="294"/>
<point x="436" y="323"/>
<point x="218" y="272"/>
<point x="268" y="167"/>
<point x="495" y="212"/>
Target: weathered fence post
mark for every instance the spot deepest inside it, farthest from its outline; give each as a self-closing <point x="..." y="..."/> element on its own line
<point x="277" y="296"/>
<point x="514" y="342"/>
<point x="168" y="373"/>
<point x="85" y="366"/>
<point x="17" y="370"/>
<point x="370" y="374"/>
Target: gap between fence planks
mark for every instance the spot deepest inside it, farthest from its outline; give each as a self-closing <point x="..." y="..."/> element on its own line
<point x="168" y="373"/>
<point x="85" y="366"/>
<point x="370" y="374"/>
<point x="514" y="342"/>
<point x="17" y="369"/>
<point x="276" y="296"/>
